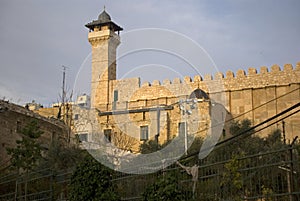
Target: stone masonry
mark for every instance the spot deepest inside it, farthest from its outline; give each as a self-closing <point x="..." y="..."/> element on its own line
<point x="127" y="107"/>
<point x="13" y="118"/>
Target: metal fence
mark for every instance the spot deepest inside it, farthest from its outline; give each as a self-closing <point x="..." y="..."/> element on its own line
<point x="41" y="185"/>
<point x="272" y="175"/>
<point x="269" y="175"/>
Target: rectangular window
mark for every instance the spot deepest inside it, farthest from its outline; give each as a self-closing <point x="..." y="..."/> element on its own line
<point x="107" y="134"/>
<point x="76" y="116"/>
<point x="181" y="129"/>
<point x="116" y="98"/>
<point x="144" y="133"/>
<point x="116" y="95"/>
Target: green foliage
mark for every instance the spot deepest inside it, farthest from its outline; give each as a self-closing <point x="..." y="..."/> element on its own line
<point x="253" y="144"/>
<point x="267" y="193"/>
<point x="150" y="146"/>
<point x="238" y="127"/>
<point x="232" y="180"/>
<point x="91" y="181"/>
<point x="193" y="151"/>
<point x="273" y="140"/>
<point x="28" y="151"/>
<point x="166" y="188"/>
<point x="59" y="157"/>
<point x="248" y="143"/>
<point x="196" y="145"/>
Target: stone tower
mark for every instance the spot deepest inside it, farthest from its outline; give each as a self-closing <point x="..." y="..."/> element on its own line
<point x="104" y="39"/>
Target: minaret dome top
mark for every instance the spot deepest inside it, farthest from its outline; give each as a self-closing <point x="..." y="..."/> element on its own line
<point x="104" y="19"/>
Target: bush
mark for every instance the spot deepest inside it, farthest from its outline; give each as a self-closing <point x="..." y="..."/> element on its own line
<point x="91" y="181"/>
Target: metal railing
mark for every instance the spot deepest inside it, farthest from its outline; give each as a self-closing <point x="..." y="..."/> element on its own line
<point x="268" y="175"/>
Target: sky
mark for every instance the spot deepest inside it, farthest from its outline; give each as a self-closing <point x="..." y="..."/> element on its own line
<point x="37" y="38"/>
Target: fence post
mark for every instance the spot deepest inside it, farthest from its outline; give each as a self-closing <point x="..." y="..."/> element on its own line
<point x="291" y="176"/>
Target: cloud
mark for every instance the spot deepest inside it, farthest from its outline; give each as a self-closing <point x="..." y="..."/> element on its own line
<point x="9" y="93"/>
<point x="37" y="38"/>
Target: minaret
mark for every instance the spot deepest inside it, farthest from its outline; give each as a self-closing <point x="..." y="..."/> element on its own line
<point x="104" y="41"/>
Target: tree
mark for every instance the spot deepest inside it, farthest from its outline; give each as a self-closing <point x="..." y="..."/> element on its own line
<point x="150" y="146"/>
<point x="232" y="182"/>
<point x="26" y="155"/>
<point x="238" y="127"/>
<point x="60" y="157"/>
<point x="193" y="150"/>
<point x="274" y="141"/>
<point x="166" y="188"/>
<point x="247" y="143"/>
<point x="124" y="141"/>
<point x="91" y="181"/>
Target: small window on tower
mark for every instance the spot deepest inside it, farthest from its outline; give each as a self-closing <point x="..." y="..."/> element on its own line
<point x="144" y="133"/>
<point x="116" y="98"/>
<point x="116" y="95"/>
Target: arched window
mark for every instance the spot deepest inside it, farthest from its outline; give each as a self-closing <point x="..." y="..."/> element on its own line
<point x="199" y="94"/>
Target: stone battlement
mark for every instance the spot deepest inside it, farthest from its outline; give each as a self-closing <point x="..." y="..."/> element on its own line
<point x="240" y="80"/>
<point x="240" y="73"/>
<point x="130" y="90"/>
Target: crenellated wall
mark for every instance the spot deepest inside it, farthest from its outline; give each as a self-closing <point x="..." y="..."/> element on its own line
<point x="131" y="89"/>
<point x="239" y="80"/>
<point x="253" y="95"/>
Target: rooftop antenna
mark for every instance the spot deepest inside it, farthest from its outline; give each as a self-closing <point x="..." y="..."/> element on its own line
<point x="63" y="84"/>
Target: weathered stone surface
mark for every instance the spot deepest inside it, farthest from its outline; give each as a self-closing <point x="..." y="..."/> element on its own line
<point x="13" y="118"/>
<point x="256" y="96"/>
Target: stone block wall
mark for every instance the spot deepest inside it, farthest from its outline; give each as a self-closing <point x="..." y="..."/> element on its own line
<point x="14" y="117"/>
<point x="255" y="96"/>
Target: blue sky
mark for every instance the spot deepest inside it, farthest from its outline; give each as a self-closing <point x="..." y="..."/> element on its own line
<point x="38" y="37"/>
